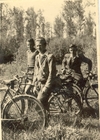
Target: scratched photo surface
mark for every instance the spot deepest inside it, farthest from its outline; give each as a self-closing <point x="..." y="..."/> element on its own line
<point x="49" y="69"/>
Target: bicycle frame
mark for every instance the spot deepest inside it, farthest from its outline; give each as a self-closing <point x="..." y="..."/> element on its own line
<point x="87" y="85"/>
<point x="10" y="89"/>
<point x="20" y="80"/>
<point x="8" y="92"/>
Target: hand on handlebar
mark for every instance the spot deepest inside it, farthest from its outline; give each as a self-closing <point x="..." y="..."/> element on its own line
<point x="67" y="71"/>
<point x="24" y="72"/>
<point x="63" y="71"/>
<point x="16" y="77"/>
<point x="91" y="75"/>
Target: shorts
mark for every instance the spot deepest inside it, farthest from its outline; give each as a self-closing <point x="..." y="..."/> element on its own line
<point x="30" y="73"/>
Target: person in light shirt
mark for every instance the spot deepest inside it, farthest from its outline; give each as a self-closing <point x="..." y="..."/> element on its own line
<point x="44" y="72"/>
<point x="31" y="54"/>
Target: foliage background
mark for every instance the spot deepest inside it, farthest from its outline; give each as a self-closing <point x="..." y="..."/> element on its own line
<point x="72" y="25"/>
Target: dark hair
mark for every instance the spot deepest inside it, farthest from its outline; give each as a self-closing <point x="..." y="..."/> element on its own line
<point x="73" y="46"/>
<point x="31" y="41"/>
<point x="42" y="40"/>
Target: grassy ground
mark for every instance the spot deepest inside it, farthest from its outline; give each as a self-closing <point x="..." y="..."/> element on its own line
<point x="88" y="130"/>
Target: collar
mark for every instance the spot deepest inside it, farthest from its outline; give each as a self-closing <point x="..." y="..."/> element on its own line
<point x="29" y="51"/>
<point x="45" y="54"/>
<point x="74" y="56"/>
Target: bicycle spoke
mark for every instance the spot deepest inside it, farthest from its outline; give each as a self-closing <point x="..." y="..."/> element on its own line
<point x="32" y="116"/>
<point x="62" y="104"/>
<point x="92" y="98"/>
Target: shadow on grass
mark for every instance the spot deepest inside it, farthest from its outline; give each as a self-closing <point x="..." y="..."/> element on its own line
<point x="89" y="112"/>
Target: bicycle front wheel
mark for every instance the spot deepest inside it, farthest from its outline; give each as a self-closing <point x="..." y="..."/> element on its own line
<point x="15" y="120"/>
<point x="92" y="97"/>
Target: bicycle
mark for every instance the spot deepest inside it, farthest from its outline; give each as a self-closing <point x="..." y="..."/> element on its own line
<point x="61" y="92"/>
<point x="88" y="90"/>
<point x="65" y="100"/>
<point x="16" y="115"/>
<point x="22" y="82"/>
<point x="72" y="100"/>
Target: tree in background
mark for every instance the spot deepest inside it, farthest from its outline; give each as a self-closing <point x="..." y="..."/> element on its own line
<point x="58" y="46"/>
<point x="8" y="40"/>
<point x="78" y="27"/>
<point x="70" y="24"/>
<point x="30" y="18"/>
<point x="4" y="24"/>
<point x="13" y="30"/>
<point x="47" y="32"/>
<point x="73" y="15"/>
<point x="18" y="22"/>
<point x="59" y="27"/>
<point x="40" y="20"/>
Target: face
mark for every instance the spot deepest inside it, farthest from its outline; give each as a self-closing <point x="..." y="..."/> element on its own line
<point x="30" y="46"/>
<point x="72" y="51"/>
<point x="40" y="46"/>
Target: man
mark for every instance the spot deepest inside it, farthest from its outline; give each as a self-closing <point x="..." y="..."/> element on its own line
<point x="44" y="72"/>
<point x="72" y="62"/>
<point x="31" y="54"/>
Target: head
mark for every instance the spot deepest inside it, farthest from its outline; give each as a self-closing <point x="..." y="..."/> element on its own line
<point x="30" y="44"/>
<point x="73" y="49"/>
<point x="41" y="44"/>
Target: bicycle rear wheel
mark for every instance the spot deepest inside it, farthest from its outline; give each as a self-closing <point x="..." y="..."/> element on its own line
<point x="92" y="97"/>
<point x="15" y="120"/>
<point x="65" y="109"/>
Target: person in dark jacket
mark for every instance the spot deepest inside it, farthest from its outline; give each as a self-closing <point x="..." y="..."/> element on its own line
<point x="72" y="62"/>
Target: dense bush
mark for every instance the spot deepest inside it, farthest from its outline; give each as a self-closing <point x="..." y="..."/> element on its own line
<point x="58" y="46"/>
<point x="19" y="64"/>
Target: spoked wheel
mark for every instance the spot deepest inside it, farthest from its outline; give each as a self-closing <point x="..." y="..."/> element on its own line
<point x="92" y="97"/>
<point x="15" y="120"/>
<point x="64" y="108"/>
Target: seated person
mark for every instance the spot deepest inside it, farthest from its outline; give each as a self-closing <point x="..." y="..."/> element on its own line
<point x="44" y="72"/>
<point x="72" y="63"/>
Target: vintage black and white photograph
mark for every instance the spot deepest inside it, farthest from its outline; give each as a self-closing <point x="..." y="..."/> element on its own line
<point x="49" y="70"/>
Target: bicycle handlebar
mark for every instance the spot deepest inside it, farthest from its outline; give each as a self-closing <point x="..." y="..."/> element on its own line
<point x="17" y="77"/>
<point x="70" y="72"/>
<point x="91" y="76"/>
<point x="24" y="72"/>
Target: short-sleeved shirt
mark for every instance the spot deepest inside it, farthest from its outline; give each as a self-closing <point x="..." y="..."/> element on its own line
<point x="31" y="58"/>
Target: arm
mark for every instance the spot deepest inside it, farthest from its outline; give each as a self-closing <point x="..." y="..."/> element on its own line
<point x="64" y="63"/>
<point x="35" y="53"/>
<point x="35" y="70"/>
<point x="88" y="61"/>
<point x="52" y="72"/>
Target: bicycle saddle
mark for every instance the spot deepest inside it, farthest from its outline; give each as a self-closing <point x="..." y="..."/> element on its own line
<point x="8" y="82"/>
<point x="66" y="78"/>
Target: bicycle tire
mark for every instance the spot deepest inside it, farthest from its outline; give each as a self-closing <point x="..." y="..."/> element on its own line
<point x="71" y="107"/>
<point x="92" y="97"/>
<point x="14" y="120"/>
<point x="78" y="92"/>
